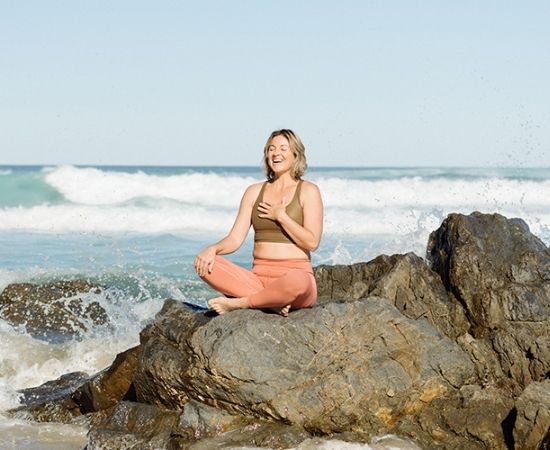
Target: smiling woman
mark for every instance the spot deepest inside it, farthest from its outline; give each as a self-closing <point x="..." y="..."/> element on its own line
<point x="286" y="213"/>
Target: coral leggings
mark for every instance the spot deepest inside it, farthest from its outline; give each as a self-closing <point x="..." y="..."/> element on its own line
<point x="271" y="283"/>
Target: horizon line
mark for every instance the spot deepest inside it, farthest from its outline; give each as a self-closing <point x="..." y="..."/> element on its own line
<point x="240" y="166"/>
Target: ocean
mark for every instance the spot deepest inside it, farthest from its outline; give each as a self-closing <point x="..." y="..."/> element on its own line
<point x="136" y="231"/>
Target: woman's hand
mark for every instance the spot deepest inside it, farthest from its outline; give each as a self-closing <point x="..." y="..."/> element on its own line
<point x="204" y="262"/>
<point x="273" y="212"/>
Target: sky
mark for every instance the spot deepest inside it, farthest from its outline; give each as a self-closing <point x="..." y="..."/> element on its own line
<point x="363" y="83"/>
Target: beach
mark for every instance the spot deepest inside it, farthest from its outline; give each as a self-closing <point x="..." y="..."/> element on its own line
<point x="136" y="230"/>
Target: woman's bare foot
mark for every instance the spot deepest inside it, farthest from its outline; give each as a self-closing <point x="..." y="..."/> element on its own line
<point x="284" y="311"/>
<point x="223" y="304"/>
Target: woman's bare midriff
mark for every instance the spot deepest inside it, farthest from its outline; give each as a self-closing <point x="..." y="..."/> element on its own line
<point x="275" y="250"/>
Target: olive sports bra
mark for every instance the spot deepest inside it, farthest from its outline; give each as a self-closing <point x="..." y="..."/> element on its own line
<point x="267" y="230"/>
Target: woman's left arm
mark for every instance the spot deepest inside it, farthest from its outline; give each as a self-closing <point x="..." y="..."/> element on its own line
<point x="308" y="235"/>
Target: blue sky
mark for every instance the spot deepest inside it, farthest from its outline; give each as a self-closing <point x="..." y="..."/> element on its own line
<point x="364" y="83"/>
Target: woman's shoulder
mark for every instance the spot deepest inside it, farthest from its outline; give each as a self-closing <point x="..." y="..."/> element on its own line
<point x="255" y="187"/>
<point x="309" y="188"/>
<point x="253" y="190"/>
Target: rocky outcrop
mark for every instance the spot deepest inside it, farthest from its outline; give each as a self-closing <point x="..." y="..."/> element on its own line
<point x="53" y="311"/>
<point x="500" y="274"/>
<point x="451" y="356"/>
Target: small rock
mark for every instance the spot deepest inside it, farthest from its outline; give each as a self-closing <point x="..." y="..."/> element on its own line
<point x="53" y="311"/>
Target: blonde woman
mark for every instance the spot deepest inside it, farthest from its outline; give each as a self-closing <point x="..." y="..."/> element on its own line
<point x="286" y="213"/>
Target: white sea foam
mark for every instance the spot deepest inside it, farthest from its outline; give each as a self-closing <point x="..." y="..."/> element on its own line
<point x="90" y="186"/>
<point x="83" y="218"/>
<point x="27" y="361"/>
<point x="16" y="434"/>
<point x="30" y="362"/>
<point x="5" y="172"/>
<point x="181" y="219"/>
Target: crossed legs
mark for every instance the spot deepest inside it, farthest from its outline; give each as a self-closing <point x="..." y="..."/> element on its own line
<point x="278" y="285"/>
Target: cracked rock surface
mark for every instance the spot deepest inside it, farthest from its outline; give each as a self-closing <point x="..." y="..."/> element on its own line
<point x="351" y="365"/>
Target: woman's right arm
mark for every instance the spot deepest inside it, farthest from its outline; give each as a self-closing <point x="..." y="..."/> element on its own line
<point x="204" y="262"/>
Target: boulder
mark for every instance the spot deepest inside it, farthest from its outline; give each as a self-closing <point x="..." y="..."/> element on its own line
<point x="532" y="427"/>
<point x="53" y="311"/>
<point x="500" y="273"/>
<point x="404" y="280"/>
<point x="342" y="366"/>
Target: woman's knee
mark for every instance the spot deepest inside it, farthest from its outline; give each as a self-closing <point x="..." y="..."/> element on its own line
<point x="299" y="281"/>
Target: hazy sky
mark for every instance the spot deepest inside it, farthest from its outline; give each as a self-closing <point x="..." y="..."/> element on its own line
<point x="364" y="83"/>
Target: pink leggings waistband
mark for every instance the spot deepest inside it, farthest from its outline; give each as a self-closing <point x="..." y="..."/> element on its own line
<point x="302" y="264"/>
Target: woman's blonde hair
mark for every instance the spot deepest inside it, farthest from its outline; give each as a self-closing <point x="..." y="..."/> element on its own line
<point x="298" y="149"/>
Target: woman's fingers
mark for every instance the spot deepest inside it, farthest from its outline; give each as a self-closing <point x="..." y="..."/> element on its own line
<point x="200" y="266"/>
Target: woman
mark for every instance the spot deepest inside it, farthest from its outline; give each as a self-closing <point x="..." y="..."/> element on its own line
<point x="287" y="215"/>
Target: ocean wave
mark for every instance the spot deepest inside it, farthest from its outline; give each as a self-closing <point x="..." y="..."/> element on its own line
<point x="5" y="172"/>
<point x="91" y="186"/>
<point x="181" y="219"/>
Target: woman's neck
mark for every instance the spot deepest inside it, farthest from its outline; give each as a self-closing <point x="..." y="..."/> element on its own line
<point x="284" y="180"/>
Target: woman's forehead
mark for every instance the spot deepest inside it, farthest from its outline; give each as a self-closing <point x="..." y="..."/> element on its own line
<point x="278" y="140"/>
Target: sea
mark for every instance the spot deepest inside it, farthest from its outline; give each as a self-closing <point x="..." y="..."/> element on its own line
<point x="136" y="231"/>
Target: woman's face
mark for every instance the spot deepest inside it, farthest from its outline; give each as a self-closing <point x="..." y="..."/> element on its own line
<point x="279" y="155"/>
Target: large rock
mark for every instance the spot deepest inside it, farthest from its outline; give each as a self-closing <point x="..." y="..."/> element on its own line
<point x="532" y="428"/>
<point x="500" y="273"/>
<point x="55" y="311"/>
<point x="405" y="280"/>
<point x="344" y="366"/>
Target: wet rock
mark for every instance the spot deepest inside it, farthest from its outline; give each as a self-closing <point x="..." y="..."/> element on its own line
<point x="53" y="311"/>
<point x="254" y="435"/>
<point x="133" y="426"/>
<point x="199" y="420"/>
<point x="114" y="383"/>
<point x="532" y="427"/>
<point x="500" y="273"/>
<point x="52" y="401"/>
<point x="405" y="280"/>
<point x="353" y="365"/>
<point x="77" y="393"/>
